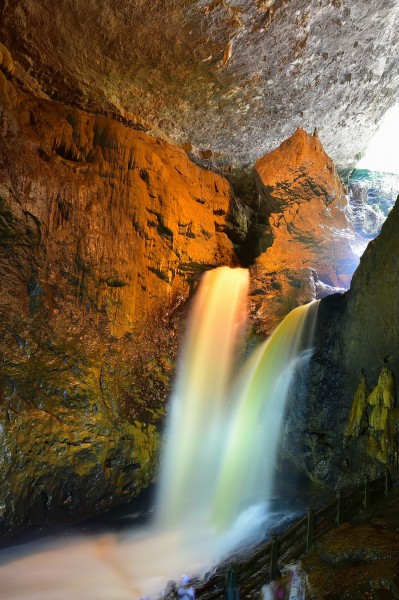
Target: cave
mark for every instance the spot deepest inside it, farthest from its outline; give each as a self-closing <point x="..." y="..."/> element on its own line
<point x="199" y="315"/>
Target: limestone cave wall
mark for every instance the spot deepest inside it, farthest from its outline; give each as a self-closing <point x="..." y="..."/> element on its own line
<point x="306" y="246"/>
<point x="103" y="232"/>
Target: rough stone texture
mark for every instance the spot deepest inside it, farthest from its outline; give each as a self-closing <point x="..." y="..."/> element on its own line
<point x="305" y="247"/>
<point x="371" y="325"/>
<point x="357" y="420"/>
<point x="103" y="232"/>
<point x="357" y="331"/>
<point x="377" y="418"/>
<point x="231" y="78"/>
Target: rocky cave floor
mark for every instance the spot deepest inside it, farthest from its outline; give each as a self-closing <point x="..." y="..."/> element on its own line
<point x="351" y="561"/>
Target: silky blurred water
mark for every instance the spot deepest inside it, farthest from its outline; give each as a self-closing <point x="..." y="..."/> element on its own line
<point x="216" y="482"/>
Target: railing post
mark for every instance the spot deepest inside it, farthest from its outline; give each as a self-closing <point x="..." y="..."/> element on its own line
<point x="340" y="508"/>
<point x="310" y="529"/>
<point x="274" y="558"/>
<point x="367" y="498"/>
<point x="388" y="482"/>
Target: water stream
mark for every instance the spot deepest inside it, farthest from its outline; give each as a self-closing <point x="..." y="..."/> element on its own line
<point x="217" y="468"/>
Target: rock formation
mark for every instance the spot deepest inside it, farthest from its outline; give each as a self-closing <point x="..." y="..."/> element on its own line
<point x="357" y="556"/>
<point x="346" y="430"/>
<point x="358" y="421"/>
<point x="103" y="231"/>
<point x="305" y="247"/>
<point x="233" y="79"/>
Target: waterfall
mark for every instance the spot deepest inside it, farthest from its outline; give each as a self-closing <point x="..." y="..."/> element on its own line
<point x="199" y="404"/>
<point x="224" y="431"/>
<point x="260" y="397"/>
<point x="217" y="470"/>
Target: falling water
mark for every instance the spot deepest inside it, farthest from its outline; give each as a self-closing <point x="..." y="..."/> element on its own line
<point x="224" y="432"/>
<point x="251" y="444"/>
<point x="218" y="464"/>
<point x="200" y="403"/>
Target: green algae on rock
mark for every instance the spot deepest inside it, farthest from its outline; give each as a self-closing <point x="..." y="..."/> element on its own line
<point x="357" y="421"/>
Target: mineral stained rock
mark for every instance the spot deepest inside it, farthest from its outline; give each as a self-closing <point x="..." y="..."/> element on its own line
<point x="376" y="416"/>
<point x="357" y="421"/>
<point x="356" y="332"/>
<point x="103" y="231"/>
<point x="306" y="246"/>
<point x="233" y="79"/>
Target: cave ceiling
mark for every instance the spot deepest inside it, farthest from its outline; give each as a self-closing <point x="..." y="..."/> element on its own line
<point x="235" y="78"/>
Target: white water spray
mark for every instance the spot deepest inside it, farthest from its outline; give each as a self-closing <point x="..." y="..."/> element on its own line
<point x="217" y="470"/>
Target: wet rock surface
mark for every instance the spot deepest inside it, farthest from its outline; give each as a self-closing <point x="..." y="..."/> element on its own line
<point x="230" y="80"/>
<point x="356" y="336"/>
<point x="103" y="233"/>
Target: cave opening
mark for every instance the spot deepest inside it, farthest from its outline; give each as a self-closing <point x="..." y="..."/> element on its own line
<point x="373" y="185"/>
<point x="381" y="153"/>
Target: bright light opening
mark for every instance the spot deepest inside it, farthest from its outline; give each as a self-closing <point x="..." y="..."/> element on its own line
<point x="382" y="154"/>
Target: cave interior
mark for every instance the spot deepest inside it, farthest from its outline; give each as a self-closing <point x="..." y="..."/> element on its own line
<point x="145" y="146"/>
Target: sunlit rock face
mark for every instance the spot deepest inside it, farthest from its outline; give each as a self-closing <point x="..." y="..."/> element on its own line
<point x="343" y="422"/>
<point x="233" y="79"/>
<point x="103" y="231"/>
<point x="306" y="246"/>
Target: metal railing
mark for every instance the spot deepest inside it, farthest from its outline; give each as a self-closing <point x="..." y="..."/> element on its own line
<point x="263" y="565"/>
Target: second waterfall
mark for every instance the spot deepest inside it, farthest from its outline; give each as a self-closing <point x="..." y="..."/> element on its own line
<point x="225" y="422"/>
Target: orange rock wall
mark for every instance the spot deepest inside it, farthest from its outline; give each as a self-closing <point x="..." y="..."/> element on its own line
<point x="103" y="232"/>
<point x="309" y="238"/>
<point x="117" y="215"/>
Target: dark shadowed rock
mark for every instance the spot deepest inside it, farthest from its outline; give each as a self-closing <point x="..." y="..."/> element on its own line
<point x="357" y="336"/>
